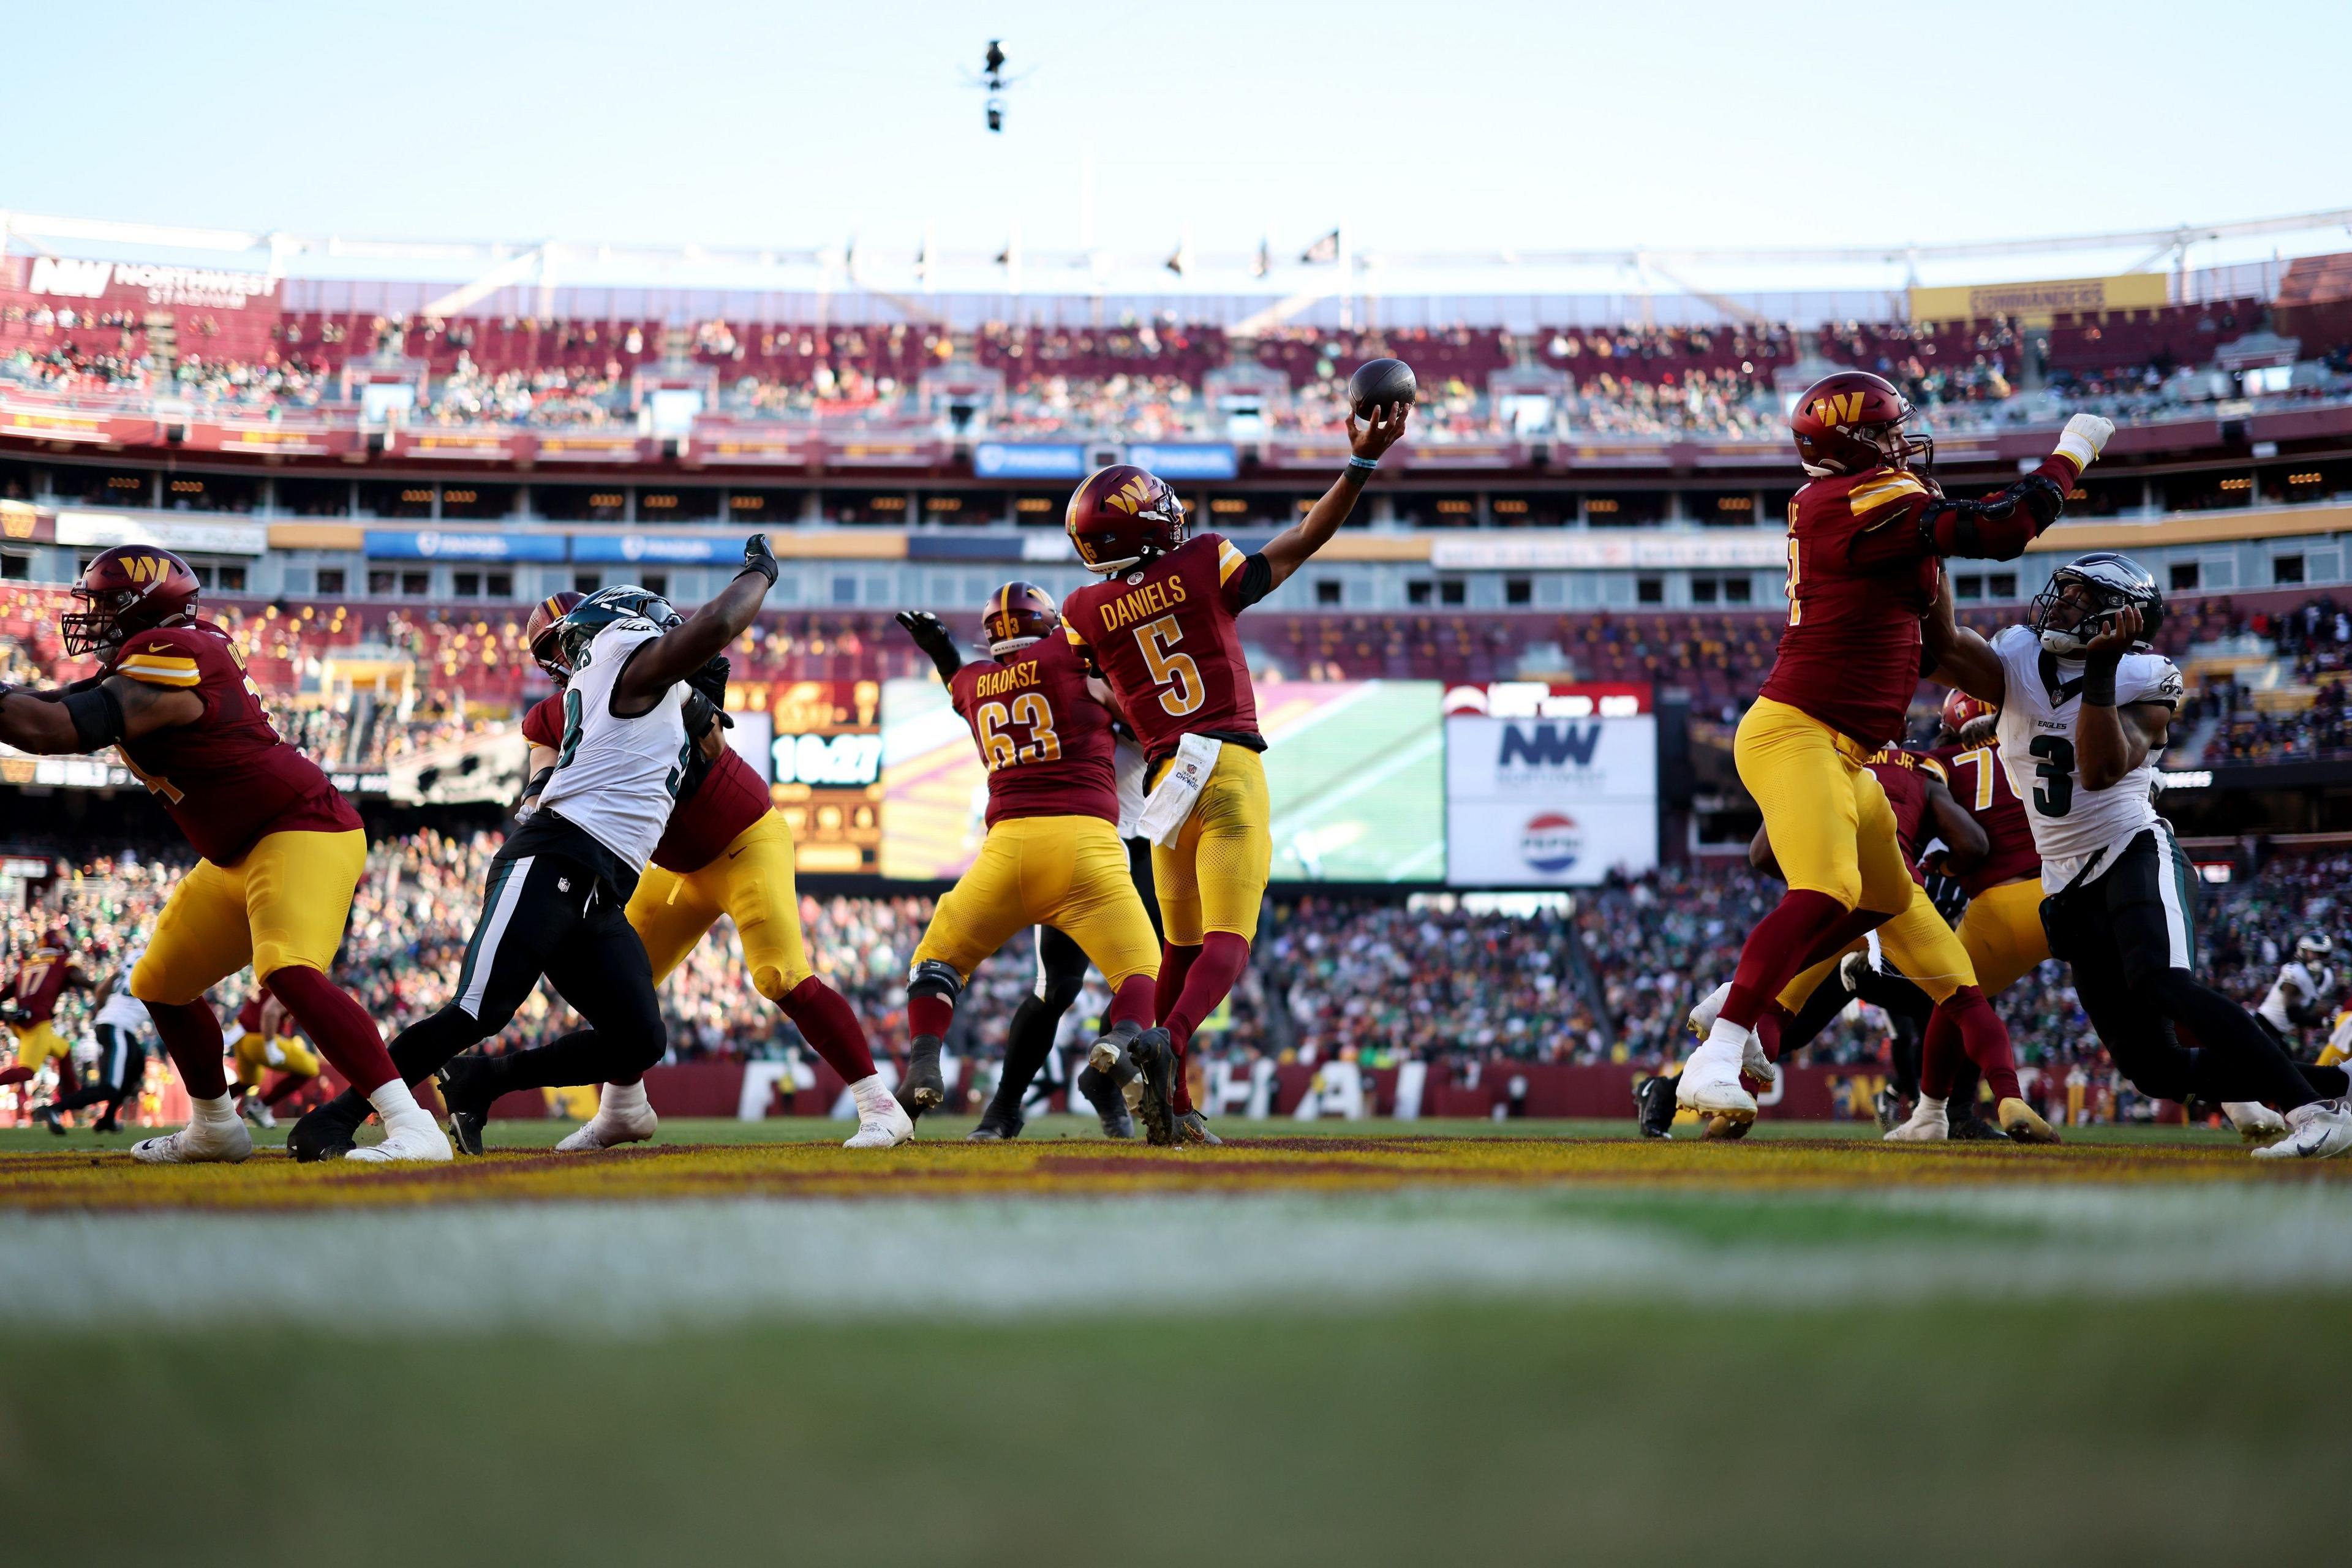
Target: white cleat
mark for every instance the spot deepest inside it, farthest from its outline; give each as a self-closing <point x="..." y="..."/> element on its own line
<point x="2319" y="1130"/>
<point x="1930" y="1123"/>
<point x="1709" y="1007"/>
<point x="256" y="1110"/>
<point x="1711" y="1085"/>
<point x="409" y="1136"/>
<point x="609" y="1129"/>
<point x="884" y="1129"/>
<point x="2255" y="1123"/>
<point x="1753" y="1061"/>
<point x="197" y="1143"/>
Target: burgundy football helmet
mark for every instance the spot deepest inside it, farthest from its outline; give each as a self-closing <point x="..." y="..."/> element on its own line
<point x="539" y="634"/>
<point x="124" y="591"/>
<point x="1123" y="515"/>
<point x="1018" y="612"/>
<point x="1851" y="423"/>
<point x="1960" y="710"/>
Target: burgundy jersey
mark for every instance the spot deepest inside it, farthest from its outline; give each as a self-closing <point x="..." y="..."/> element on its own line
<point x="730" y="798"/>
<point x="1163" y="637"/>
<point x="227" y="779"/>
<point x="41" y="979"/>
<point x="1850" y="656"/>
<point x="1981" y="785"/>
<point x="1904" y="776"/>
<point x="1047" y="743"/>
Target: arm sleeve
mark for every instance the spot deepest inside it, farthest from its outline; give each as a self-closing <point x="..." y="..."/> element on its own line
<point x="947" y="660"/>
<point x="1252" y="583"/>
<point x="1997" y="527"/>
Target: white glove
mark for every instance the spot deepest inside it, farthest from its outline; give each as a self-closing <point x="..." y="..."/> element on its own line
<point x="2085" y="437"/>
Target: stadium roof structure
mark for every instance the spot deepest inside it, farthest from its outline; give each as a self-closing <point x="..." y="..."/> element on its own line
<point x="1303" y="279"/>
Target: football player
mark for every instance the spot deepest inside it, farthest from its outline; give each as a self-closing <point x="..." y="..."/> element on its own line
<point x="1051" y="858"/>
<point x="267" y="1040"/>
<point x="281" y="848"/>
<point x="554" y="899"/>
<point x="2086" y="709"/>
<point x="42" y="978"/>
<point x="725" y="851"/>
<point x="122" y="1030"/>
<point x="1160" y="629"/>
<point x="2297" y="999"/>
<point x="1866" y="536"/>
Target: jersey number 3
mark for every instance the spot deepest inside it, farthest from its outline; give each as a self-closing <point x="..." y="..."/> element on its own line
<point x="2053" y="795"/>
<point x="1000" y="750"/>
<point x="1175" y="671"/>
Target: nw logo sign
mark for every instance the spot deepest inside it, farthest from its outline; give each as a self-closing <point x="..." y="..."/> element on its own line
<point x="1549" y="745"/>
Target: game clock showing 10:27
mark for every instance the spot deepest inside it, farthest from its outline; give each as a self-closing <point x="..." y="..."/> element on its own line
<point x="824" y="767"/>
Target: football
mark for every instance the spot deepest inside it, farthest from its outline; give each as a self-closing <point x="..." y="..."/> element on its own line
<point x="1379" y="383"/>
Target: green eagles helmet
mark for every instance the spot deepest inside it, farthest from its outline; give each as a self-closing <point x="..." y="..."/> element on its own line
<point x="607" y="606"/>
<point x="2085" y="598"/>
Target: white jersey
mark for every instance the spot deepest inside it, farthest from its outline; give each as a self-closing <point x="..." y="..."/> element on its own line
<point x="1127" y="767"/>
<point x="617" y="779"/>
<point x="2073" y="826"/>
<point x="122" y="1009"/>
<point x="2297" y="987"/>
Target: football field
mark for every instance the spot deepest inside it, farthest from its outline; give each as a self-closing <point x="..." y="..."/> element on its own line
<point x="1323" y="1343"/>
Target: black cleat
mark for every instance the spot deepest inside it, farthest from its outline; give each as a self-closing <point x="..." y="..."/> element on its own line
<point x="926" y="1088"/>
<point x="49" y="1119"/>
<point x="1970" y="1127"/>
<point x="1892" y="1109"/>
<point x="469" y="1099"/>
<point x="1653" y="1105"/>
<point x="1193" y="1128"/>
<point x="1102" y="1093"/>
<point x="995" y="1128"/>
<point x="1153" y="1095"/>
<point x="106" y="1124"/>
<point x="329" y="1132"/>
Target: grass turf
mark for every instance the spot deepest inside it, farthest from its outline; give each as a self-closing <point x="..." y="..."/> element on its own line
<point x="2187" y="1430"/>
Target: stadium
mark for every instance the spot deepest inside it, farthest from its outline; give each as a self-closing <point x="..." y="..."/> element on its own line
<point x="1411" y="998"/>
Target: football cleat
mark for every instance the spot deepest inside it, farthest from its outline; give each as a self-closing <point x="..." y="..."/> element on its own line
<point x="2255" y="1123"/>
<point x="1708" y="1009"/>
<point x="995" y="1129"/>
<point x="1928" y="1124"/>
<point x="1892" y="1109"/>
<point x="197" y="1143"/>
<point x="1653" y="1106"/>
<point x="1968" y="1127"/>
<point x="926" y="1088"/>
<point x="106" y="1124"/>
<point x="2319" y="1130"/>
<point x="469" y="1107"/>
<point x="1753" y="1062"/>
<point x="329" y="1132"/>
<point x="2023" y="1124"/>
<point x="413" y="1137"/>
<point x="1153" y="1095"/>
<point x="1102" y="1093"/>
<point x="255" y="1110"/>
<point x="1710" y="1082"/>
<point x="611" y="1128"/>
<point x="48" y="1118"/>
<point x="1193" y="1127"/>
<point x="884" y="1129"/>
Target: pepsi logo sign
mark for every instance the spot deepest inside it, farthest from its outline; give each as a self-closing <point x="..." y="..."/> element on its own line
<point x="1550" y="842"/>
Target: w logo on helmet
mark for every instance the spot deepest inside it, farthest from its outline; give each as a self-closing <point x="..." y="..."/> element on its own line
<point x="1123" y="514"/>
<point x="1131" y="497"/>
<point x="143" y="569"/>
<point x="1838" y="407"/>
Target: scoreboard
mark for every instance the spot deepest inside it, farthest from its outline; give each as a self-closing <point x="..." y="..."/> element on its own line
<point x="819" y="745"/>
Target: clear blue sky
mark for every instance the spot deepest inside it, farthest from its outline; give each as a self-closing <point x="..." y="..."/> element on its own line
<point x="1423" y="124"/>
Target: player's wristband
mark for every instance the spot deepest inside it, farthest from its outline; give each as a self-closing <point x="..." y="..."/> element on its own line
<point x="1365" y="466"/>
<point x="2099" y="680"/>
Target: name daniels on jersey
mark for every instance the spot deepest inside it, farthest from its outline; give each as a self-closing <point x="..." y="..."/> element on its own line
<point x="1152" y="599"/>
<point x="997" y="682"/>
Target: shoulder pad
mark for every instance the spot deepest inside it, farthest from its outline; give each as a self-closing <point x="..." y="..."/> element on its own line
<point x="166" y="658"/>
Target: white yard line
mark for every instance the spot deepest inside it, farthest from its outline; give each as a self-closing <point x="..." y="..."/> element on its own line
<point x="639" y="1267"/>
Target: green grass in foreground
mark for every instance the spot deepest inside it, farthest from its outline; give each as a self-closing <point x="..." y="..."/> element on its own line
<point x="803" y="1129"/>
<point x="2180" y="1431"/>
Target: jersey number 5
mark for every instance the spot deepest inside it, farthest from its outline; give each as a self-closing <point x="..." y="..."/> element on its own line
<point x="2054" y="767"/>
<point x="1000" y="750"/>
<point x="1174" y="671"/>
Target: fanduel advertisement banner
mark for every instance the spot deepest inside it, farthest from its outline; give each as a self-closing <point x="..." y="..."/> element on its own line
<point x="1549" y="789"/>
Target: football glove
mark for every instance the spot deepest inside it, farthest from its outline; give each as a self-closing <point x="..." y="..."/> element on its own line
<point x="758" y="557"/>
<point x="1950" y="899"/>
<point x="930" y="634"/>
<point x="710" y="683"/>
<point x="2085" y="437"/>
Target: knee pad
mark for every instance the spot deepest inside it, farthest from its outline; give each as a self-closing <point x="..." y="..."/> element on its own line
<point x="776" y="985"/>
<point x="929" y="977"/>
